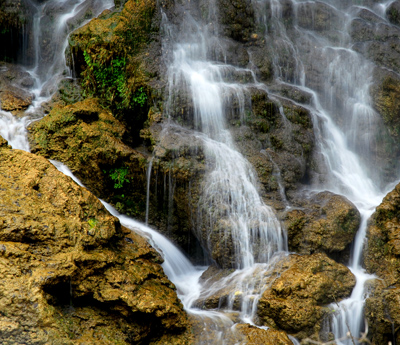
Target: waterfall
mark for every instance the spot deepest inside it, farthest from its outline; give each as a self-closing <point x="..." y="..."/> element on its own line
<point x="50" y="39"/>
<point x="344" y="120"/>
<point x="306" y="53"/>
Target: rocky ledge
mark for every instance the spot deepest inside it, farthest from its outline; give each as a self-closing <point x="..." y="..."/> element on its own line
<point x="70" y="273"/>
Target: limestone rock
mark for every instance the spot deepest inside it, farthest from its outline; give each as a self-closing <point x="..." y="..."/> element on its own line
<point x="382" y="258"/>
<point x="70" y="274"/>
<point x="328" y="225"/>
<point x="295" y="301"/>
<point x="255" y="336"/>
<point x="383" y="233"/>
<point x="88" y="139"/>
<point x="10" y="101"/>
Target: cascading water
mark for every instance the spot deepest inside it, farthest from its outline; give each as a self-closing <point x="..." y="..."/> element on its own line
<point x="47" y="68"/>
<point x="344" y="124"/>
<point x="344" y="121"/>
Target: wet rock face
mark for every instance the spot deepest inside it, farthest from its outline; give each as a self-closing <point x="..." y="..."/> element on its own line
<point x="375" y="39"/>
<point x="385" y="96"/>
<point x="383" y="251"/>
<point x="15" y="18"/>
<point x="393" y="12"/>
<point x="88" y="139"/>
<point x="295" y="301"/>
<point x="237" y="18"/>
<point x="317" y="16"/>
<point x="328" y="225"/>
<point x="279" y="146"/>
<point x="69" y="272"/>
<point x="382" y="257"/>
<point x="13" y="84"/>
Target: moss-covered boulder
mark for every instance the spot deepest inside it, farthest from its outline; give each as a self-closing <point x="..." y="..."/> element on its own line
<point x="117" y="55"/>
<point x="88" y="139"/>
<point x="253" y="335"/>
<point x="70" y="274"/>
<point x="327" y="225"/>
<point x="295" y="302"/>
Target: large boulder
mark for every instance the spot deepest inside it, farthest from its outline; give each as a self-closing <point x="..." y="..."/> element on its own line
<point x="327" y="225"/>
<point x="295" y="302"/>
<point x="295" y="291"/>
<point x="70" y="274"/>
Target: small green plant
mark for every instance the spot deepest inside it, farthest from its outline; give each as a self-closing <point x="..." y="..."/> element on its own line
<point x="92" y="222"/>
<point x="119" y="176"/>
<point x="140" y="97"/>
<point x="106" y="79"/>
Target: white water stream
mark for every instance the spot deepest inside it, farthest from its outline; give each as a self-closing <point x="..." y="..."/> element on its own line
<point x="344" y="144"/>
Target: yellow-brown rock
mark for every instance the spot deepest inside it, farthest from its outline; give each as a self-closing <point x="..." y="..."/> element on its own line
<point x="382" y="257"/>
<point x="256" y="336"/>
<point x="295" y="301"/>
<point x="11" y="101"/>
<point x="88" y="139"/>
<point x="70" y="274"/>
<point x="209" y="330"/>
<point x="328" y="225"/>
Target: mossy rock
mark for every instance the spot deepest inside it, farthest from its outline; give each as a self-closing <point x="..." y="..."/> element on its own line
<point x="70" y="272"/>
<point x="88" y="139"/>
<point x="295" y="301"/>
<point x="327" y="225"/>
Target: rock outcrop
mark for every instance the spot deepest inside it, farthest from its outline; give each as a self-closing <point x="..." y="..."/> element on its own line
<point x="88" y="138"/>
<point x="327" y="225"/>
<point x="296" y="301"/>
<point x="70" y="273"/>
<point x="382" y="257"/>
<point x="295" y="291"/>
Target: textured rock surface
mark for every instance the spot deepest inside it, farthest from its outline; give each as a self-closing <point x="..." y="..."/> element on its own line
<point x="295" y="301"/>
<point x="13" y="96"/>
<point x="383" y="251"/>
<point x="88" y="139"/>
<point x="70" y="274"/>
<point x="328" y="224"/>
<point x="382" y="257"/>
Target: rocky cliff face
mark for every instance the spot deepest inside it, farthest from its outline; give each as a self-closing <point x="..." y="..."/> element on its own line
<point x="382" y="258"/>
<point x="70" y="272"/>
